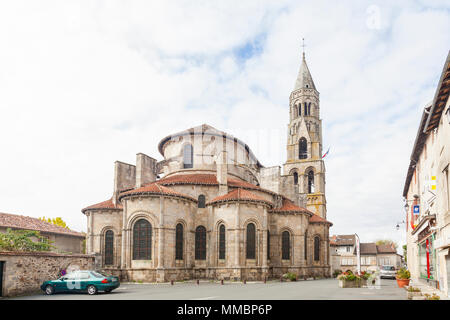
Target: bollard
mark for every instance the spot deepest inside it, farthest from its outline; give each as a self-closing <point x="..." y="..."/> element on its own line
<point x="265" y="279"/>
<point x="171" y="282"/>
<point x="198" y="282"/>
<point x="245" y="281"/>
<point x="221" y="282"/>
<point x="281" y="279"/>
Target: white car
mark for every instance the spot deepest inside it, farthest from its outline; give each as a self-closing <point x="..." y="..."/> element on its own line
<point x="388" y="272"/>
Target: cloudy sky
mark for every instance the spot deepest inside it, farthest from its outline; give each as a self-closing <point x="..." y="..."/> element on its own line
<point x="85" y="83"/>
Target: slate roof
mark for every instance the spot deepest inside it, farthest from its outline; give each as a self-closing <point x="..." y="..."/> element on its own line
<point x="16" y="221"/>
<point x="343" y="240"/>
<point x="304" y="78"/>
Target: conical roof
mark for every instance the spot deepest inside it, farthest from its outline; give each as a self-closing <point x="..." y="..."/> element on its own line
<point x="304" y="79"/>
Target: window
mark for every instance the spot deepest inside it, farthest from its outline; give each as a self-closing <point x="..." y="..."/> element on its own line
<point x="311" y="181"/>
<point x="251" y="241"/>
<point x="302" y="149"/>
<point x="200" y="243"/>
<point x="222" y="242"/>
<point x="309" y="108"/>
<point x="306" y="109"/>
<point x="188" y="156"/>
<point x="295" y="178"/>
<point x="316" y="248"/>
<point x="109" y="247"/>
<point x="299" y="109"/>
<point x="179" y="242"/>
<point x="268" y="244"/>
<point x="348" y="249"/>
<point x="142" y="240"/>
<point x="285" y="246"/>
<point x="201" y="201"/>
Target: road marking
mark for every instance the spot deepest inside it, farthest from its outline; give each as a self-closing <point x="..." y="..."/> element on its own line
<point x="205" y="298"/>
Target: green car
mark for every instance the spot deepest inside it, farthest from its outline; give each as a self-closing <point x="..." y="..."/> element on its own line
<point x="82" y="281"/>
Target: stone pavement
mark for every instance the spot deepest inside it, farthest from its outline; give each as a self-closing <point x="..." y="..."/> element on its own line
<point x="324" y="289"/>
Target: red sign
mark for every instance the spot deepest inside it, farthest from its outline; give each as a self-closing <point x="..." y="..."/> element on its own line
<point x="428" y="258"/>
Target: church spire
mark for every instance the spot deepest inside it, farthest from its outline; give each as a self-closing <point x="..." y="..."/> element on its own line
<point x="304" y="79"/>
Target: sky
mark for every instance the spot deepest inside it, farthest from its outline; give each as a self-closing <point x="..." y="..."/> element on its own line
<point x="86" y="83"/>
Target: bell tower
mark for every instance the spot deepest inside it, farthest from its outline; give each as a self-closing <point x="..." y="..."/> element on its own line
<point x="304" y="166"/>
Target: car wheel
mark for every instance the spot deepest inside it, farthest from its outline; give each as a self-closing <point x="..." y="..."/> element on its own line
<point x="49" y="290"/>
<point x="91" y="290"/>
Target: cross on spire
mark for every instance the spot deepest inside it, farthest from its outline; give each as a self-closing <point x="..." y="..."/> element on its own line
<point x="303" y="46"/>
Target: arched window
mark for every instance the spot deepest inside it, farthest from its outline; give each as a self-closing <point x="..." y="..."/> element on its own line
<point x="179" y="242"/>
<point x="316" y="248"/>
<point x="295" y="177"/>
<point x="299" y="109"/>
<point x="311" y="181"/>
<point x="142" y="240"/>
<point x="188" y="156"/>
<point x="251" y="241"/>
<point x="302" y="149"/>
<point x="306" y="109"/>
<point x="309" y="108"/>
<point x="222" y="242"/>
<point x="200" y="243"/>
<point x="268" y="244"/>
<point x="285" y="245"/>
<point x="109" y="247"/>
<point x="201" y="201"/>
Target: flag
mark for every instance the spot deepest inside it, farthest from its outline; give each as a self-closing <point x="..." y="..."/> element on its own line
<point x="325" y="154"/>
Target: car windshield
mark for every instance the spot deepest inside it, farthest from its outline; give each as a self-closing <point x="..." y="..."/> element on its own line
<point x="389" y="268"/>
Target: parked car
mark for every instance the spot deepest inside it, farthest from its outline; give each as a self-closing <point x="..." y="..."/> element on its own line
<point x="388" y="272"/>
<point x="89" y="281"/>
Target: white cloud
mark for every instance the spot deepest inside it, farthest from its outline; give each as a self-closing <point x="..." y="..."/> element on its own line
<point x="85" y="83"/>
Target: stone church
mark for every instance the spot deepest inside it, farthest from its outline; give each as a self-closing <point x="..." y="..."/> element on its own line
<point x="211" y="210"/>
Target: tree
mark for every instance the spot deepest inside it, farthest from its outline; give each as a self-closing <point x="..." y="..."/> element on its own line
<point x="58" y="221"/>
<point x="386" y="242"/>
<point x="22" y="240"/>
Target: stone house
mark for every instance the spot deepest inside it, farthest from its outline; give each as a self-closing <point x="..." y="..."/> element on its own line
<point x="64" y="240"/>
<point x="372" y="256"/>
<point x="427" y="192"/>
<point x="211" y="210"/>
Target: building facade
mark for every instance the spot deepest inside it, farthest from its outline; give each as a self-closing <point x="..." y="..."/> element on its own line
<point x="426" y="192"/>
<point x="210" y="210"/>
<point x="62" y="239"/>
<point x="372" y="256"/>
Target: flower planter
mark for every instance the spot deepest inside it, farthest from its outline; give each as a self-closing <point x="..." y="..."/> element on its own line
<point x="402" y="282"/>
<point x="357" y="283"/>
<point x="411" y="295"/>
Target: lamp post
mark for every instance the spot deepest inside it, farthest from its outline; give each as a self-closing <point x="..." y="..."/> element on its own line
<point x="358" y="256"/>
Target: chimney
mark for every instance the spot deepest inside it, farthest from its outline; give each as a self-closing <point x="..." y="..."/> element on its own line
<point x="145" y="169"/>
<point x="124" y="178"/>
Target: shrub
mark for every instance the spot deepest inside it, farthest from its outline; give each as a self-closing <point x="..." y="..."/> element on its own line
<point x="290" y="276"/>
<point x="412" y="289"/>
<point x="432" y="297"/>
<point x="21" y="240"/>
<point x="336" y="273"/>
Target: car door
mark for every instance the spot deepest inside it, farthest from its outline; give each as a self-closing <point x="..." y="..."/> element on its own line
<point x="84" y="280"/>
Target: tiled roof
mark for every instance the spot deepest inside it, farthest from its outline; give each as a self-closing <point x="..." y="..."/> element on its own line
<point x="108" y="204"/>
<point x="367" y="248"/>
<point x="343" y="240"/>
<point x="289" y="206"/>
<point x="239" y="195"/>
<point x="317" y="219"/>
<point x="28" y="223"/>
<point x="386" y="248"/>
<point x="207" y="179"/>
<point x="157" y="189"/>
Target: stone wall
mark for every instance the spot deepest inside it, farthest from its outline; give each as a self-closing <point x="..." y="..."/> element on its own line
<point x="24" y="272"/>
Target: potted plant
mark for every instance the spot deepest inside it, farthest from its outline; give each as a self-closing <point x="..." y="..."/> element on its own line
<point x="403" y="277"/>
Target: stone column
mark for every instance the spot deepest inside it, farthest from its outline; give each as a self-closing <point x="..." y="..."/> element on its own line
<point x="161" y="234"/>
<point x="123" y="256"/>
<point x="237" y="239"/>
<point x="264" y="238"/>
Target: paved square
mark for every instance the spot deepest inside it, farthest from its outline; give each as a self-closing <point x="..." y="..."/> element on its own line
<point x="325" y="289"/>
